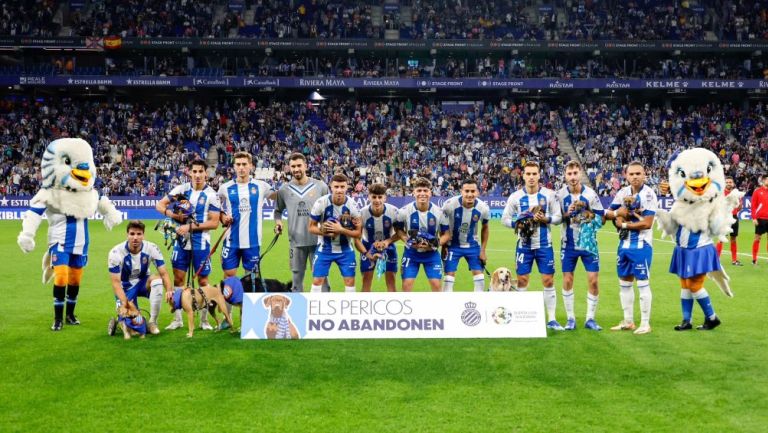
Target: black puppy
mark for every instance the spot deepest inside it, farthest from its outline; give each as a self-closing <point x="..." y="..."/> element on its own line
<point x="253" y="284"/>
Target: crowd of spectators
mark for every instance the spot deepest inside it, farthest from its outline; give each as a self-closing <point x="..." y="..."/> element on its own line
<point x="607" y="138"/>
<point x="25" y="18"/>
<point x="141" y="149"/>
<point x="415" y="19"/>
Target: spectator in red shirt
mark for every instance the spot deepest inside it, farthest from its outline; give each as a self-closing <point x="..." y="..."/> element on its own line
<point x="759" y="215"/>
<point x="729" y="188"/>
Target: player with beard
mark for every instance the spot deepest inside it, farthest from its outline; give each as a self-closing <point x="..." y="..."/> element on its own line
<point x="298" y="196"/>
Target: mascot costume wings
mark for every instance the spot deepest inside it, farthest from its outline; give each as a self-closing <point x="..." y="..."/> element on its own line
<point x="68" y="199"/>
<point x="701" y="212"/>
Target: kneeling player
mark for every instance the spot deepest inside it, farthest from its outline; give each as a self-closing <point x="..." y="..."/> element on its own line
<point x="336" y="218"/>
<point x="129" y="271"/>
<point x="463" y="215"/>
<point x="379" y="235"/>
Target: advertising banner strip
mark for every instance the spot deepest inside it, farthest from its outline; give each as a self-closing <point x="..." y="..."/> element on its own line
<point x="243" y="43"/>
<point x="240" y="82"/>
<point x="393" y="315"/>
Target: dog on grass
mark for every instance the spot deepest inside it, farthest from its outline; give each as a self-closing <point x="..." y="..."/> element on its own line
<point x="279" y="325"/>
<point x="131" y="321"/>
<point x="189" y="298"/>
<point x="502" y="281"/>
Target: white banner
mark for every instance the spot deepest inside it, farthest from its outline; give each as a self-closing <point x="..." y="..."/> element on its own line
<point x="393" y="315"/>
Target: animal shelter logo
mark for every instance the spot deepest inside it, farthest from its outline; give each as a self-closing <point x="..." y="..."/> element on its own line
<point x="470" y="316"/>
<point x="501" y="316"/>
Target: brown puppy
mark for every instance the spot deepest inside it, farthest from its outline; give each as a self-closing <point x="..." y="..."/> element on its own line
<point x="129" y="313"/>
<point x="215" y="299"/>
<point x="502" y="281"/>
<point x="279" y="326"/>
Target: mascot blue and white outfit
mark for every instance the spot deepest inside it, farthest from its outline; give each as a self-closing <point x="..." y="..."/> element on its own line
<point x="701" y="212"/>
<point x="67" y="199"/>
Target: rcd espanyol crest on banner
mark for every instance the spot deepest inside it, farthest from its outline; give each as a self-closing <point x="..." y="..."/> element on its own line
<point x="470" y="316"/>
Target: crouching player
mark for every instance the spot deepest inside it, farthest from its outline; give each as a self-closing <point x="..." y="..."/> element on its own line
<point x="463" y="215"/>
<point x="379" y="235"/>
<point x="129" y="272"/>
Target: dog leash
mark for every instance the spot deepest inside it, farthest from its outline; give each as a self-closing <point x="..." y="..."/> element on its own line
<point x="213" y="250"/>
<point x="257" y="265"/>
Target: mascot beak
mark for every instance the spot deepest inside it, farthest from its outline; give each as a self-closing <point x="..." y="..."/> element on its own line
<point x="698" y="186"/>
<point x="82" y="173"/>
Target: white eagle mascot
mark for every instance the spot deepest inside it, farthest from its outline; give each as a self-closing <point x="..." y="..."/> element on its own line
<point x="68" y="199"/>
<point x="701" y="212"/>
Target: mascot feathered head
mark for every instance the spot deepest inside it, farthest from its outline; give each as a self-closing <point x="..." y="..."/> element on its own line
<point x="696" y="175"/>
<point x="68" y="164"/>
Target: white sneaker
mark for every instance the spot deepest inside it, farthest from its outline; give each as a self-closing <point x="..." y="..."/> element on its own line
<point x="643" y="329"/>
<point x="176" y="324"/>
<point x="152" y="328"/>
<point x="205" y="326"/>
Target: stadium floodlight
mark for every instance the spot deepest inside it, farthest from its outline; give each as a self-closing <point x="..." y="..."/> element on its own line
<point x="316" y="97"/>
<point x="351" y="51"/>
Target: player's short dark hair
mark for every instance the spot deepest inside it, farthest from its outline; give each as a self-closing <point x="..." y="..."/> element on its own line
<point x="135" y="224"/>
<point x="242" y="154"/>
<point x="573" y="163"/>
<point x="532" y="164"/>
<point x="729" y="177"/>
<point x="421" y="182"/>
<point x="198" y="161"/>
<point x="634" y="162"/>
<point x="340" y="177"/>
<point x="469" y="180"/>
<point x="377" y="189"/>
<point x="297" y="155"/>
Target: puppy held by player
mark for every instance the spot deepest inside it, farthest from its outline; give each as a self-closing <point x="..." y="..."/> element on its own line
<point x="379" y="236"/>
<point x="335" y="218"/>
<point x="531" y="210"/>
<point x="463" y="215"/>
<point x="418" y="224"/>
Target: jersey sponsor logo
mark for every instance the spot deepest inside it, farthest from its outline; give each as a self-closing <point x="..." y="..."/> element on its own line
<point x="301" y="209"/>
<point x="464" y="229"/>
<point x="245" y="205"/>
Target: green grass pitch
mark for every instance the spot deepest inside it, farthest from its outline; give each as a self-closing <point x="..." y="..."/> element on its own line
<point x="80" y="380"/>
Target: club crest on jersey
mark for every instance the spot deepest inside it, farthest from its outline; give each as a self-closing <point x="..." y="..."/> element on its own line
<point x="475" y="218"/>
<point x="386" y="223"/>
<point x="542" y="202"/>
<point x="143" y="260"/>
<point x="201" y="201"/>
<point x="431" y="221"/>
<point x="253" y="190"/>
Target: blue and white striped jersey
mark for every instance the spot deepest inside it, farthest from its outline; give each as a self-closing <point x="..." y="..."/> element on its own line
<point x="203" y="201"/>
<point x="463" y="223"/>
<point x="689" y="240"/>
<point x="244" y="202"/>
<point x="68" y="234"/>
<point x="520" y="202"/>
<point x="649" y="204"/>
<point x="570" y="233"/>
<point x="134" y="268"/>
<point x="410" y="218"/>
<point x="378" y="228"/>
<point x="323" y="210"/>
